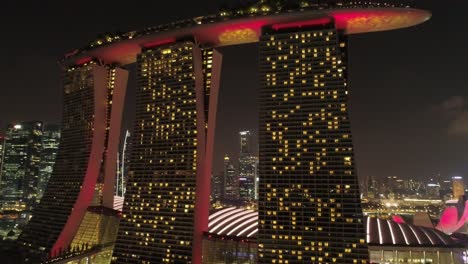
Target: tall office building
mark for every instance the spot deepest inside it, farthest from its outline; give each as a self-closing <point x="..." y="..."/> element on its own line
<point x="230" y="181"/>
<point x="86" y="161"/>
<point x="217" y="186"/>
<point x="458" y="187"/>
<point x="309" y="205"/>
<point x="248" y="163"/>
<point x="50" y="145"/>
<point x="167" y="199"/>
<point x="21" y="163"/>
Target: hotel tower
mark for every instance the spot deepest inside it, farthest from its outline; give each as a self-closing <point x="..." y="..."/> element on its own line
<point x="309" y="206"/>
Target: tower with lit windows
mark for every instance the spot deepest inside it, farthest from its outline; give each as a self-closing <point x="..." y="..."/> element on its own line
<point x="50" y="145"/>
<point x="309" y="206"/>
<point x="21" y="165"/>
<point x="458" y="187"/>
<point x="85" y="166"/>
<point x="248" y="164"/>
<point x="230" y="182"/>
<point x="167" y="198"/>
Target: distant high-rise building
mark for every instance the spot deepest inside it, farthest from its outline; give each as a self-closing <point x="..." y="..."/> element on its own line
<point x="2" y="149"/>
<point x="248" y="164"/>
<point x="230" y="181"/>
<point x="458" y="187"/>
<point x="50" y="145"/>
<point x="433" y="190"/>
<point x="217" y="184"/>
<point x="21" y="163"/>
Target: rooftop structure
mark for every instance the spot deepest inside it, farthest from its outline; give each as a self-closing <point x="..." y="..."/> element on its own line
<point x="244" y="25"/>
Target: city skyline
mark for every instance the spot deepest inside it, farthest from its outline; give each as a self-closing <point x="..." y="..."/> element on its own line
<point x="309" y="204"/>
<point x="259" y="131"/>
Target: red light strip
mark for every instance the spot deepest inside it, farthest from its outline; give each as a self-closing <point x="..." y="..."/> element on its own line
<point x="159" y="43"/>
<point x="83" y="61"/>
<point x="315" y="22"/>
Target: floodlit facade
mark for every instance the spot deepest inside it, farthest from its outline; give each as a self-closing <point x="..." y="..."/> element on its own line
<point x="85" y="165"/>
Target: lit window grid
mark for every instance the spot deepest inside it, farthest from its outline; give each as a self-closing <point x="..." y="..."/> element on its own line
<point x="70" y="167"/>
<point x="305" y="130"/>
<point x="160" y="199"/>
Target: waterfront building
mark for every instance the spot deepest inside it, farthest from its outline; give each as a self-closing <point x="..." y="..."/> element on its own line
<point x="85" y="166"/>
<point x="306" y="167"/>
<point x="309" y="207"/>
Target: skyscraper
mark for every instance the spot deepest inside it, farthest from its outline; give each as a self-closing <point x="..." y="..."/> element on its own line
<point x="217" y="186"/>
<point x="50" y="145"/>
<point x="21" y="163"/>
<point x="458" y="187"/>
<point x="248" y="164"/>
<point x="86" y="161"/>
<point x="2" y="150"/>
<point x="309" y="205"/>
<point x="167" y="200"/>
<point x="230" y="182"/>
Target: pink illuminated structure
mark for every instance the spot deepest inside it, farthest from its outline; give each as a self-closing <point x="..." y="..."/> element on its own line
<point x="248" y="30"/>
<point x="85" y="169"/>
<point x="166" y="207"/>
<point x="453" y="217"/>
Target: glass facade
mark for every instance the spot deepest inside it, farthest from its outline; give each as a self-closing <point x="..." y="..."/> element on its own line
<point x="309" y="206"/>
<point x="21" y="164"/>
<point x="231" y="183"/>
<point x="229" y="251"/>
<point x="50" y="145"/>
<point x="248" y="164"/>
<point x="435" y="255"/>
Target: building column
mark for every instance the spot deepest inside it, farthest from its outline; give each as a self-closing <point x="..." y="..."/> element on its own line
<point x="206" y="126"/>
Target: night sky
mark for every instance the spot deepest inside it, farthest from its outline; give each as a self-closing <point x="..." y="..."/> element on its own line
<point x="409" y="88"/>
